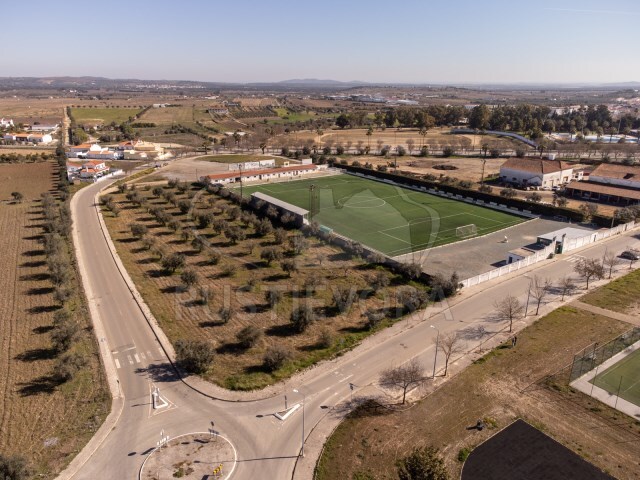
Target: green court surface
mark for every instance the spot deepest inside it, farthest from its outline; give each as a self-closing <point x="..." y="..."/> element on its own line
<point x="386" y="217"/>
<point x="624" y="375"/>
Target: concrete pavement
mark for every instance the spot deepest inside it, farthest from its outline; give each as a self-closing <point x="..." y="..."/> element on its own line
<point x="267" y="447"/>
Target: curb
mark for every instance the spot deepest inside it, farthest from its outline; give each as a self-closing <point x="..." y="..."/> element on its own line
<point x="117" y="400"/>
<point x="235" y="452"/>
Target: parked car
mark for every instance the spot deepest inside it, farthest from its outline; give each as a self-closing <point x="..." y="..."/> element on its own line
<point x="630" y="255"/>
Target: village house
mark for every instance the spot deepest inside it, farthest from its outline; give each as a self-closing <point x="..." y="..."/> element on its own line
<point x="28" y="137"/>
<point x="536" y="172"/>
<point x="6" y="123"/>
<point x="91" y="151"/>
<point x="87" y="170"/>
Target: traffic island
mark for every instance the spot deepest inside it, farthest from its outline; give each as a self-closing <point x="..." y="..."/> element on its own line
<point x="194" y="455"/>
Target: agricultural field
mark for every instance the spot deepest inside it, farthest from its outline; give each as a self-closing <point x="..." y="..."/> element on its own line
<point x="235" y="270"/>
<point x="391" y="219"/>
<point x="42" y="418"/>
<point x="28" y="109"/>
<point x="103" y="115"/>
<point x="500" y="387"/>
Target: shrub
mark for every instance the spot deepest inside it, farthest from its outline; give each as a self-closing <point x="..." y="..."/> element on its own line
<point x="273" y="296"/>
<point x="63" y="335"/>
<point x="378" y="281"/>
<point x="14" y="467"/>
<point x="249" y="336"/>
<point x="508" y="192"/>
<point x="325" y="339"/>
<point x="69" y="365"/>
<point x="270" y="254"/>
<point x="422" y="464"/>
<point x="205" y="294"/>
<point x="138" y="230"/>
<point x="448" y="151"/>
<point x="289" y="266"/>
<point x="275" y="357"/>
<point x="172" y="262"/>
<point x="302" y="317"/>
<point x="226" y="314"/>
<point x="214" y="257"/>
<point x="189" y="277"/>
<point x="374" y="317"/>
<point x="195" y="356"/>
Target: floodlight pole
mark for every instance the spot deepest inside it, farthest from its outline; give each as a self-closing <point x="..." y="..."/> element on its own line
<point x="240" y="168"/>
<point x="435" y="358"/>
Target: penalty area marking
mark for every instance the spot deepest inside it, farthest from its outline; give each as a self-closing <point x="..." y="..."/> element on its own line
<point x="357" y="204"/>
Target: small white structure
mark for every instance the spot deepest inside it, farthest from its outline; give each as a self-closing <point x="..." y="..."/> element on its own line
<point x="535" y="172"/>
<point x="87" y="170"/>
<point x="44" y="127"/>
<point x="519" y="254"/>
<point x="6" y="123"/>
<point x="269" y="163"/>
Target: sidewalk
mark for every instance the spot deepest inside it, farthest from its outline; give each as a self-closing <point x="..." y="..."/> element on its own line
<point x="623" y="317"/>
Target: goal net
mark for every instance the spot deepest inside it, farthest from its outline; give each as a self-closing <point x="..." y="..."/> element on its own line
<point x="466" y="231"/>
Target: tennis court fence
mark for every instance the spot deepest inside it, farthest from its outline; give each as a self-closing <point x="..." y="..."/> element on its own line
<point x="595" y="354"/>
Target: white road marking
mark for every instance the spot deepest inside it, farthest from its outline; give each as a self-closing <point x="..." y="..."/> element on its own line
<point x="160" y="350"/>
<point x="130" y="359"/>
<point x="345" y="378"/>
<point x="135" y="355"/>
<point x="127" y="349"/>
<point x="143" y="355"/>
<point x="117" y="363"/>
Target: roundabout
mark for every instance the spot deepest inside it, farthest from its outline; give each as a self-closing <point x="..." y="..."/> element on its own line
<point x="193" y="455"/>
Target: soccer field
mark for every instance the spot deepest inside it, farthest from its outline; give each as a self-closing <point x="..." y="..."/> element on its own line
<point x="391" y="219"/>
<point x="624" y="375"/>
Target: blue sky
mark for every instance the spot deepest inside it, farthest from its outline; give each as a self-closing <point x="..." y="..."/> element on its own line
<point x="463" y="41"/>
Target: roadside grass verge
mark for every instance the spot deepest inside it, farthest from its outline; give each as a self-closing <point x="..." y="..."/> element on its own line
<point x="620" y="295"/>
<point x="498" y="388"/>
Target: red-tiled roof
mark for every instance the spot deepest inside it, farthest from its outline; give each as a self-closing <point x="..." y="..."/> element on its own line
<point x="251" y="173"/>
<point x="620" y="172"/>
<point x="536" y="165"/>
<point x="601" y="189"/>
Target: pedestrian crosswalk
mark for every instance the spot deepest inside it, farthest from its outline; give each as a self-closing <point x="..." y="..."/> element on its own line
<point x="574" y="258"/>
<point x="131" y="355"/>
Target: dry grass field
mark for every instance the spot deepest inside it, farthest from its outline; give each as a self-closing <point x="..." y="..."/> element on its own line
<point x="25" y="108"/>
<point x="46" y="421"/>
<point x="240" y="281"/>
<point x="500" y="387"/>
<point x="103" y="115"/>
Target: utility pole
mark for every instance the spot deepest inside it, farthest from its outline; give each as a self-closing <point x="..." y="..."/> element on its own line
<point x="435" y="358"/>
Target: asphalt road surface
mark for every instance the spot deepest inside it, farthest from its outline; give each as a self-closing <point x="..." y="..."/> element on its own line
<point x="266" y="447"/>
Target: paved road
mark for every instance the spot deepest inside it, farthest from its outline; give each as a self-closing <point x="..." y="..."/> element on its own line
<point x="266" y="446"/>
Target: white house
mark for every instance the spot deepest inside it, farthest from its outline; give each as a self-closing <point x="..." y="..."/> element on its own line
<point x="44" y="127"/>
<point x="28" y="137"/>
<point x="535" y="172"/>
<point x="86" y="170"/>
<point x="91" y="151"/>
<point x="6" y="123"/>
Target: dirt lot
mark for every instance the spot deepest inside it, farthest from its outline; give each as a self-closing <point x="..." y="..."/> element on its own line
<point x="436" y="138"/>
<point x="46" y="422"/>
<point x="181" y="315"/>
<point x="30" y="179"/>
<point x="23" y="109"/>
<point x="499" y="388"/>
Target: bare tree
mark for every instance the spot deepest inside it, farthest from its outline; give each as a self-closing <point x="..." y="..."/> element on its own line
<point x="567" y="286"/>
<point x="509" y="309"/>
<point x="611" y="261"/>
<point x="449" y="344"/>
<point x="403" y="377"/>
<point x="539" y="289"/>
<point x="589" y="268"/>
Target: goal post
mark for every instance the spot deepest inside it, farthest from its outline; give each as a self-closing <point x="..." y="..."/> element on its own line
<point x="466" y="231"/>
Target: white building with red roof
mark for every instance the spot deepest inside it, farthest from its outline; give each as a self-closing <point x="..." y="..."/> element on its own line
<point x="263" y="175"/>
<point x="536" y="172"/>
